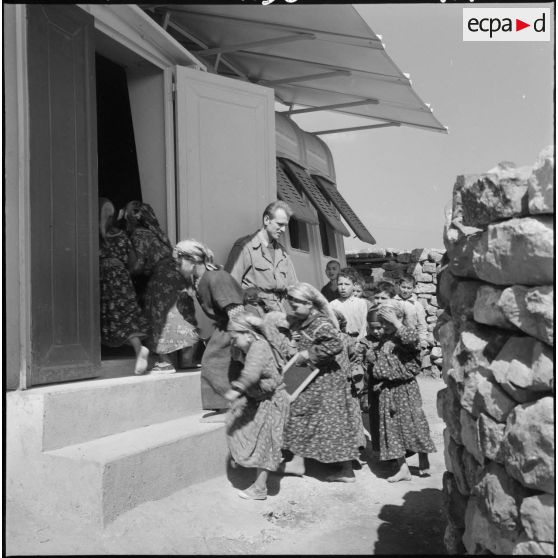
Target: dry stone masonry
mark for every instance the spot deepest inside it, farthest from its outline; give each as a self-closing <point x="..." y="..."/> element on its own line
<point x="388" y="264"/>
<point x="496" y="332"/>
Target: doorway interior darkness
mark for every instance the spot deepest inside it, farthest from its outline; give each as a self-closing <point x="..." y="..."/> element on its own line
<point x="116" y="150"/>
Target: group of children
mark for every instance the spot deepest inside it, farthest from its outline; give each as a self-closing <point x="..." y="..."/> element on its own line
<point x="374" y="344"/>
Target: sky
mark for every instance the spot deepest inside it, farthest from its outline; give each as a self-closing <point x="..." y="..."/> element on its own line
<point x="495" y="98"/>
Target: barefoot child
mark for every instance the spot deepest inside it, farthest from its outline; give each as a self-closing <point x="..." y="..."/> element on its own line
<point x="260" y="404"/>
<point x="394" y="363"/>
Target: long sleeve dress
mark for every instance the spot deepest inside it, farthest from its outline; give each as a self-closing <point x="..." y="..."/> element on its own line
<point x="256" y="421"/>
<point x="218" y="292"/>
<point x="169" y="311"/>
<point x="121" y="316"/>
<point x="403" y="426"/>
<point x="324" y="421"/>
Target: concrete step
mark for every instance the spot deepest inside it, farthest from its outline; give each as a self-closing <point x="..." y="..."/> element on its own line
<point x="82" y="411"/>
<point x="102" y="478"/>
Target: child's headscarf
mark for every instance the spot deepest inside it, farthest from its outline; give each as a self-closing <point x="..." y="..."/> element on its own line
<point x="138" y="214"/>
<point x="309" y="293"/>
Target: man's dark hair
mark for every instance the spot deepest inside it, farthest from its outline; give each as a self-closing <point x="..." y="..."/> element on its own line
<point x="270" y="210"/>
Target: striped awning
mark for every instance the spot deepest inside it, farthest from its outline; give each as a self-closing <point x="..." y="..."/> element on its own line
<point x="303" y="180"/>
<point x="287" y="192"/>
<point x="332" y="193"/>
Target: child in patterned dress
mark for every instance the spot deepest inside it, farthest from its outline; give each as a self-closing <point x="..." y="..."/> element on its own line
<point x="394" y="365"/>
<point x="260" y="403"/>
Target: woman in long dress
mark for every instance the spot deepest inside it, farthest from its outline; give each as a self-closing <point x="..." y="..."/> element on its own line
<point x="220" y="297"/>
<point x="122" y="320"/>
<point x="167" y="306"/>
<point x="260" y="403"/>
<point x="324" y="422"/>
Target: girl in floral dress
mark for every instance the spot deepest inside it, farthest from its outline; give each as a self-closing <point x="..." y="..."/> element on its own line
<point x="168" y="307"/>
<point x="122" y="320"/>
<point x="324" y="423"/>
<point x="260" y="403"/>
<point x="394" y="365"/>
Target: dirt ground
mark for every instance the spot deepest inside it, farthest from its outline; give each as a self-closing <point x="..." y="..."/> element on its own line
<point x="300" y="516"/>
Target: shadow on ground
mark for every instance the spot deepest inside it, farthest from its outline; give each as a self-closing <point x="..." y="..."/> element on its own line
<point x="415" y="527"/>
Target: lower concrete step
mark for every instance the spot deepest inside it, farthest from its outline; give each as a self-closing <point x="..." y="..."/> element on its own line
<point x="110" y="475"/>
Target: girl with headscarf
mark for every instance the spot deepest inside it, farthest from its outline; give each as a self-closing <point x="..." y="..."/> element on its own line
<point x="122" y="320"/>
<point x="167" y="306"/>
<point x="220" y="297"/>
<point x="260" y="403"/>
<point x="324" y="422"/>
<point x="394" y="364"/>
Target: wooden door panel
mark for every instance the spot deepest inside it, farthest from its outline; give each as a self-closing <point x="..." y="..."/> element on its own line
<point x="65" y="343"/>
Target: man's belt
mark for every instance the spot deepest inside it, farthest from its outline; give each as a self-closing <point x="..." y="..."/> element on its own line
<point x="278" y="293"/>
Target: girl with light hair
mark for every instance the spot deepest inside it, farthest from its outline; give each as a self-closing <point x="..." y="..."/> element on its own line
<point x="260" y="403"/>
<point x="122" y="320"/>
<point x="220" y="297"/>
<point x="324" y="422"/>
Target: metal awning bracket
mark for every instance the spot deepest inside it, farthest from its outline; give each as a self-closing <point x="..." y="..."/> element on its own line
<point x="336" y="106"/>
<point x="356" y="128"/>
<point x="308" y="77"/>
<point x="255" y="44"/>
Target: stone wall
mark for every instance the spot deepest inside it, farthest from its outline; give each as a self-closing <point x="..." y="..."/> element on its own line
<point x="388" y="264"/>
<point x="497" y="338"/>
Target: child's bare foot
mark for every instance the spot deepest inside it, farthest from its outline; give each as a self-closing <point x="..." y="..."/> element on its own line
<point x="141" y="361"/>
<point x="293" y="467"/>
<point x="403" y="474"/>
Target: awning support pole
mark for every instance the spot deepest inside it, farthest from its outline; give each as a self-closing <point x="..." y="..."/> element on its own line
<point x="166" y="20"/>
<point x="339" y="130"/>
<point x="336" y="106"/>
<point x="309" y="77"/>
<point x="255" y="44"/>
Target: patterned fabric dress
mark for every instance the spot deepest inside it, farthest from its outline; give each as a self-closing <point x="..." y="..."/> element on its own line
<point x="256" y="421"/>
<point x="324" y="422"/>
<point x="169" y="311"/>
<point x="121" y="317"/>
<point x="403" y="426"/>
<point x="216" y="292"/>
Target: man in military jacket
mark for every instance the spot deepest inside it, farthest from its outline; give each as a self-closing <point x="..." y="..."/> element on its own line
<point x="259" y="260"/>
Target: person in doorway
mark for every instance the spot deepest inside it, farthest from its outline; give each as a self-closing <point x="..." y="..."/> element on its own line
<point x="260" y="403"/>
<point x="122" y="320"/>
<point x="414" y="311"/>
<point x="394" y="365"/>
<point x="260" y="260"/>
<point x="221" y="298"/>
<point x="354" y="309"/>
<point x="329" y="290"/>
<point x="168" y="308"/>
<point x="324" y="422"/>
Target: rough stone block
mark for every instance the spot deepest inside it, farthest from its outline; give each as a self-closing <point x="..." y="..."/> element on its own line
<point x="482" y="534"/>
<point x="515" y="252"/>
<point x="431" y="319"/>
<point x="470" y="435"/>
<point x="453" y="539"/>
<point x="537" y="517"/>
<point x="404" y="257"/>
<point x="460" y="255"/>
<point x="470" y="387"/>
<point x="436" y="352"/>
<point x="486" y="199"/>
<point x="447" y="457"/>
<point x="449" y="409"/>
<point x="487" y="310"/>
<point x="438" y="362"/>
<point x="528" y="446"/>
<point x="531" y="310"/>
<point x="414" y="269"/>
<point x="419" y="254"/>
<point x="428" y="288"/>
<point x="491" y="434"/>
<point x="492" y="400"/>
<point x="429" y="267"/>
<point x="391" y="266"/>
<point x="454" y="502"/>
<point x="533" y="548"/>
<point x="455" y="453"/>
<point x="476" y="347"/>
<point x="472" y="468"/>
<point x="426" y="362"/>
<point x="377" y="274"/>
<point x="541" y="183"/>
<point x="499" y="495"/>
<point x="424" y="278"/>
<point x="524" y="368"/>
<point x="463" y="300"/>
<point x="436" y="255"/>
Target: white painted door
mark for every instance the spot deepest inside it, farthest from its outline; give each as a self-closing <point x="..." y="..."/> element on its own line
<point x="225" y="132"/>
